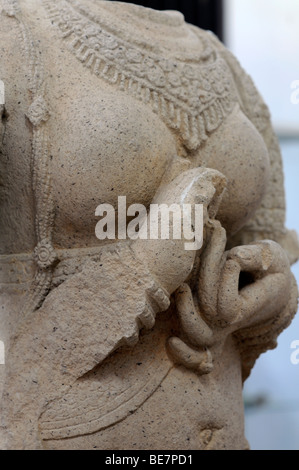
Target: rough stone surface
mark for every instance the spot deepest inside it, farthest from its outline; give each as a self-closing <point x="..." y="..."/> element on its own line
<point x="132" y="344"/>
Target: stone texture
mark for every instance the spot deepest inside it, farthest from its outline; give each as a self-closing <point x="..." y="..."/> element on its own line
<point x="133" y="344"/>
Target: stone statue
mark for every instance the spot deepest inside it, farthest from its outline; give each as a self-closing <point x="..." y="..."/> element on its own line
<point x="132" y="344"/>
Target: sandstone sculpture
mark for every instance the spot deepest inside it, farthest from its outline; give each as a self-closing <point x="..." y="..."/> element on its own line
<point x="132" y="344"/>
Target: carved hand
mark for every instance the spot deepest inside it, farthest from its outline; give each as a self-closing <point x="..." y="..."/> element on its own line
<point x="168" y="260"/>
<point x="265" y="270"/>
<point x="243" y="287"/>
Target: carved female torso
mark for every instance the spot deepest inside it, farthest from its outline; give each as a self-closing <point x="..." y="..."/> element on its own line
<point x="116" y="101"/>
<point x="95" y="126"/>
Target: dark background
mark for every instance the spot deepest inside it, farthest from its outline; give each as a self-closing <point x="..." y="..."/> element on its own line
<point x="207" y="14"/>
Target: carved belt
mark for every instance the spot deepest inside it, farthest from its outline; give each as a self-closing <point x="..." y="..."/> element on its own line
<point x="19" y="269"/>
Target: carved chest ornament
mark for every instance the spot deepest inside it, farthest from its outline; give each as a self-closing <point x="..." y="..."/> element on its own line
<point x="191" y="96"/>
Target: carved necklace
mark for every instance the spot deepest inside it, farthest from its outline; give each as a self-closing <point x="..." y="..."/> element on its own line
<point x="192" y="95"/>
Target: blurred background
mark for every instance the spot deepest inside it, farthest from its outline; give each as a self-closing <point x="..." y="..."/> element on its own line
<point x="264" y="35"/>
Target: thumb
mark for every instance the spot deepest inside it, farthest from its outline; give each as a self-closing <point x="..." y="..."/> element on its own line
<point x="196" y="186"/>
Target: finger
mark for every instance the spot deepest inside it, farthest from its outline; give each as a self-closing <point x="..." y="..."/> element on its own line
<point x="275" y="256"/>
<point x="229" y="301"/>
<point x="147" y="318"/>
<point x="193" y="325"/>
<point x="196" y="186"/>
<point x="207" y="188"/>
<point x="200" y="361"/>
<point x="250" y="258"/>
<point x="264" y="298"/>
<point x="261" y="257"/>
<point x="211" y="264"/>
<point x="255" y="302"/>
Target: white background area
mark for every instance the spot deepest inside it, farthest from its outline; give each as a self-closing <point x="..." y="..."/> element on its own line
<point x="264" y="35"/>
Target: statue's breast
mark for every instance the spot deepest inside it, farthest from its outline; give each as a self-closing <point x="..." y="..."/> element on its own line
<point x="104" y="145"/>
<point x="239" y="152"/>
